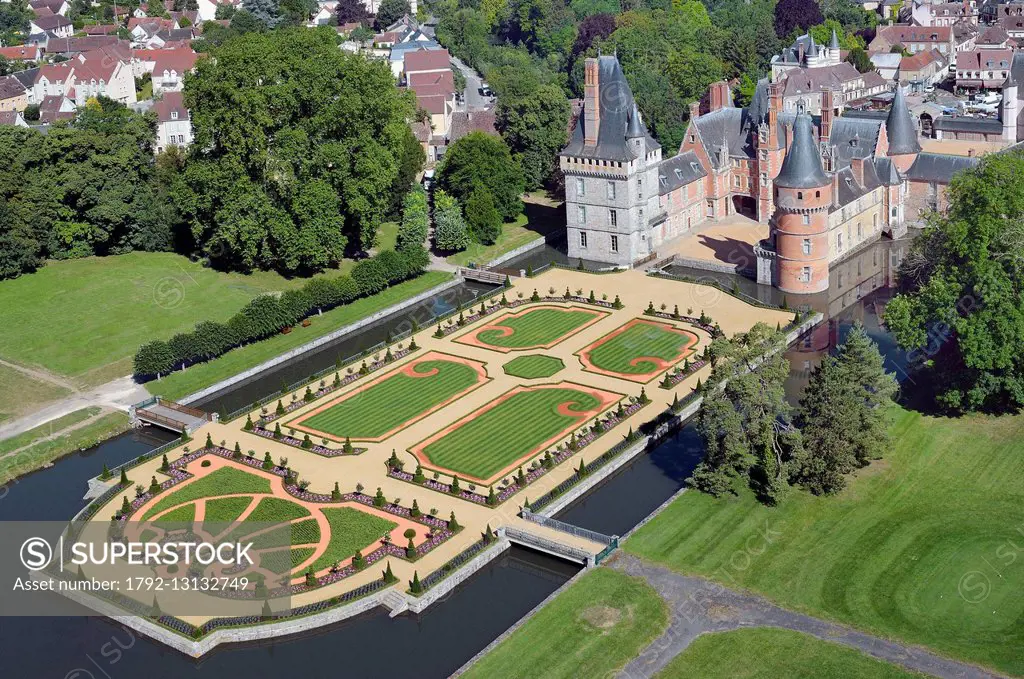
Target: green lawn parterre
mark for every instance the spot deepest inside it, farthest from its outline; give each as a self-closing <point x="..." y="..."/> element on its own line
<point x="536" y="328"/>
<point x="393" y="401"/>
<point x="351" y="530"/>
<point x="223" y="481"/>
<point x="533" y="367"/>
<point x="489" y="441"/>
<point x="924" y="546"/>
<point x="640" y="341"/>
<point x="592" y="629"/>
<point x="769" y="653"/>
<point x="225" y="509"/>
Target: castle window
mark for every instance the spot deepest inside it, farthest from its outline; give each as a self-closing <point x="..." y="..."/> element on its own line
<point x="860" y="230"/>
<point x="581" y="187"/>
<point x="806" y="219"/>
<point x="583" y="240"/>
<point x="611" y="190"/>
<point x="640" y="185"/>
<point x="764" y="154"/>
<point x="613" y="216"/>
<point x="581" y="213"/>
<point x="807" y="246"/>
<point x="817" y="194"/>
<point x="799" y="195"/>
<point x="736" y="182"/>
<point x="839" y="241"/>
<point x="805" y="275"/>
<point x="615" y="243"/>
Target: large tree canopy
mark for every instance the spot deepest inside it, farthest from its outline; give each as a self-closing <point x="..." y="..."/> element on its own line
<point x="482" y="162"/>
<point x="535" y="127"/>
<point x="297" y="147"/>
<point x="961" y="304"/>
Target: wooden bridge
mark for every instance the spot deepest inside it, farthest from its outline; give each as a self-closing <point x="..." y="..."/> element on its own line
<point x="168" y="415"/>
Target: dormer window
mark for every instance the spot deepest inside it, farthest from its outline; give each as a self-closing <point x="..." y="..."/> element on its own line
<point x="174" y="115"/>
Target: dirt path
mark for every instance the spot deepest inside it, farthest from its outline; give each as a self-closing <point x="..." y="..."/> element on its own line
<point x="698" y="606"/>
<point x="41" y="375"/>
<point x="57" y="433"/>
<point x="116" y="395"/>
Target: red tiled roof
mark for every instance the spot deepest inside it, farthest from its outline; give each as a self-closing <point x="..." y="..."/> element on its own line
<point x="11" y="87"/>
<point x="54" y="21"/>
<point x="91" y="42"/>
<point x="433" y="103"/>
<point x="918" y="61"/>
<point x="20" y="53"/>
<point x="978" y="60"/>
<point x="426" y="60"/>
<point x="101" y="29"/>
<point x="9" y="117"/>
<point x="171" y="102"/>
<point x="444" y="80"/>
<point x="56" y="73"/>
<point x="178" y="60"/>
<point x="906" y="34"/>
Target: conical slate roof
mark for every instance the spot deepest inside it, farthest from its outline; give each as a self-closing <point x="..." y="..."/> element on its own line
<point x="812" y="48"/>
<point x="900" y="128"/>
<point x="801" y="168"/>
<point x="833" y="44"/>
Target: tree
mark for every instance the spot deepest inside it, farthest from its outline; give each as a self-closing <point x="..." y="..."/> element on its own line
<point x="412" y="232"/>
<point x="450" y="230"/>
<point x="483" y="161"/>
<point x="860" y="60"/>
<point x="843" y="415"/>
<point x="960" y="309"/>
<point x="391" y="11"/>
<point x="791" y="15"/>
<point x="351" y="11"/>
<point x="482" y="217"/>
<point x="297" y="146"/>
<point x="747" y="425"/>
<point x="535" y="128"/>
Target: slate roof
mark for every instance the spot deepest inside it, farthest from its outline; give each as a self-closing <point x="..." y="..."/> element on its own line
<point x="900" y="128"/>
<point x="679" y="170"/>
<point x="27" y="77"/>
<point x="170" y="103"/>
<point x="464" y="122"/>
<point x="965" y="124"/>
<point x="939" y="167"/>
<point x="729" y="127"/>
<point x="801" y="167"/>
<point x="616" y="105"/>
<point x="853" y="138"/>
<point x="805" y="80"/>
<point x="11" y="87"/>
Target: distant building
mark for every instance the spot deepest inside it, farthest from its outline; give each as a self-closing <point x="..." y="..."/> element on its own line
<point x="914" y="39"/>
<point x="174" y="122"/>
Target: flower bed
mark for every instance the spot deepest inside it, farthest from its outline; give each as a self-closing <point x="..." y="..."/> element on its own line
<point x="323" y="451"/>
<point x="709" y="328"/>
<point x="446" y="330"/>
<point x="440" y="530"/>
<point x="674" y="378"/>
<point x="558" y="456"/>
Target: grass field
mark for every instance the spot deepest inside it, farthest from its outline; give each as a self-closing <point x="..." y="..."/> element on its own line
<point x="639" y="349"/>
<point x="768" y="653"/>
<point x="924" y="546"/>
<point x="488" y="441"/>
<point x="351" y="530"/>
<point x="36" y="448"/>
<point x="533" y="367"/>
<point x="541" y="217"/>
<point x="223" y="481"/>
<point x="225" y="509"/>
<point x="534" y="328"/>
<point x="197" y="377"/>
<point x="105" y="307"/>
<point x="20" y="394"/>
<point x="592" y="629"/>
<point x="394" y="401"/>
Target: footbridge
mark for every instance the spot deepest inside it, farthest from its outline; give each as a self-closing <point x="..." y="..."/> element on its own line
<point x="560" y="539"/>
<point x="168" y="415"/>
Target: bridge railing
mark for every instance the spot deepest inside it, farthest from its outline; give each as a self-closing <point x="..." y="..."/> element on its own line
<point x="532" y="540"/>
<point x="564" y="527"/>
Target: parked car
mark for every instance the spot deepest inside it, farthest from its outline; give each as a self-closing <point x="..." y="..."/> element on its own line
<point x="929" y="89"/>
<point x="485" y="91"/>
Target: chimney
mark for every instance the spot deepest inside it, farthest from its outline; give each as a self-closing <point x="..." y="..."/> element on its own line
<point x="591" y="102"/>
<point x="857" y="168"/>
<point x="800" y="52"/>
<point x="719" y="95"/>
<point x="774" y="106"/>
<point x="827" y="113"/>
<point x="694" y="110"/>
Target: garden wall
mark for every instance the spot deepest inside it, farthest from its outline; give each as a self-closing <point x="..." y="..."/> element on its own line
<point x="512" y="254"/>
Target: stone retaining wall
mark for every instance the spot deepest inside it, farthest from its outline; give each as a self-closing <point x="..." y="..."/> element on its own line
<point x="320" y="341"/>
<point x="512" y="254"/>
<point x="463" y="573"/>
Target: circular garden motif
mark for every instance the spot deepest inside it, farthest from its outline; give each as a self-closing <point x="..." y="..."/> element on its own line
<point x="533" y="367"/>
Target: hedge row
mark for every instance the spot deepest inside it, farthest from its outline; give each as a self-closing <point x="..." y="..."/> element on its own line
<point x="268" y="315"/>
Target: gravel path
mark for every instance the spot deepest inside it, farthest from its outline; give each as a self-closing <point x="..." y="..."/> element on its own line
<point x="698" y="606"/>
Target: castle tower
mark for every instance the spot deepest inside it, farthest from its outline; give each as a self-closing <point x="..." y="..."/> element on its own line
<point x="1010" y="110"/>
<point x="902" y="134"/>
<point x="834" y="55"/>
<point x="803" y="196"/>
<point x="769" y="95"/>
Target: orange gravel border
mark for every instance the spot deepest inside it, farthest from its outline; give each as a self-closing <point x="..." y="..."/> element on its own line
<point x="607" y="398"/>
<point x="471" y="337"/>
<point x="640" y="378"/>
<point x="406" y="369"/>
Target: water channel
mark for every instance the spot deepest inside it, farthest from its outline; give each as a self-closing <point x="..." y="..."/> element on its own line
<point x="449" y="633"/>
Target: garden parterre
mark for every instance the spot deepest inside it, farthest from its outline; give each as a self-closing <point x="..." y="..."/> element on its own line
<point x="368" y="470"/>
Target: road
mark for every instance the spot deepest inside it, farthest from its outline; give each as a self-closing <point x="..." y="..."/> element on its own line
<point x="472" y="98"/>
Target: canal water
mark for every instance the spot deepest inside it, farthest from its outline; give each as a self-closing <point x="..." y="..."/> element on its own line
<point x="449" y="633"/>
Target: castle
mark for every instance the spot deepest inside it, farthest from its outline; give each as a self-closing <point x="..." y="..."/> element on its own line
<point x="825" y="184"/>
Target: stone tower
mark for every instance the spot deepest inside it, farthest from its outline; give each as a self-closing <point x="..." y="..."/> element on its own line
<point x="611" y="172"/>
<point x="902" y="134"/>
<point x="803" y="196"/>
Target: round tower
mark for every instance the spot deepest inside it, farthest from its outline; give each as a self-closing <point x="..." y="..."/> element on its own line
<point x="803" y="196"/>
<point x="902" y="133"/>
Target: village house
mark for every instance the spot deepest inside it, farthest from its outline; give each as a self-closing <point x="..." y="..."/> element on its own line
<point x="174" y="124"/>
<point x="922" y="70"/>
<point x="13" y="119"/>
<point x="54" y="26"/>
<point x="914" y="39"/>
<point x="13" y="96"/>
<point x="22" y="53"/>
